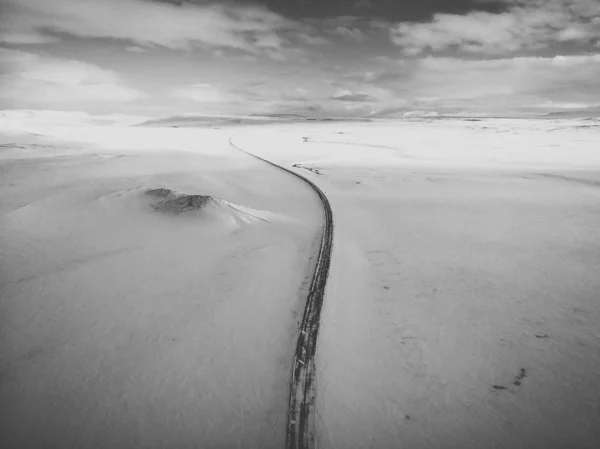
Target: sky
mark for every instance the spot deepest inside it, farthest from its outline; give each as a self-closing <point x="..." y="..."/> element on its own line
<point x="309" y="57"/>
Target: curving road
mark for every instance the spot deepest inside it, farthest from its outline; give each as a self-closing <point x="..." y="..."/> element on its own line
<point x="301" y="412"/>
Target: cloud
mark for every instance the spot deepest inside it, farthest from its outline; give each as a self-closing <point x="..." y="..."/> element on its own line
<point x="525" y="25"/>
<point x="358" y="97"/>
<point x="352" y="28"/>
<point x="349" y="33"/>
<point x="328" y="109"/>
<point x="270" y="41"/>
<point x="30" y="79"/>
<point x="248" y="28"/>
<point x="313" y="40"/>
<point x="297" y="95"/>
<point x="247" y="98"/>
<point x="363" y="4"/>
<point x="558" y="105"/>
<point x="262" y="94"/>
<point x="331" y="23"/>
<point x="202" y="93"/>
<point x="136" y="49"/>
<point x="506" y="83"/>
<point x="29" y="37"/>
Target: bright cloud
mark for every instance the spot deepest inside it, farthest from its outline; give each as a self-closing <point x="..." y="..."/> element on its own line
<point x="355" y="97"/>
<point x="141" y="21"/>
<point x="31" y="79"/>
<point x="496" y="83"/>
<point x="525" y="25"/>
<point x="202" y="93"/>
<point x="349" y="28"/>
<point x="349" y="33"/>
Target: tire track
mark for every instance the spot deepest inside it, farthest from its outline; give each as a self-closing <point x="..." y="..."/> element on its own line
<point x="301" y="411"/>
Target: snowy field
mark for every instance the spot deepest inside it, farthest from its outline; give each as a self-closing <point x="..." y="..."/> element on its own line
<point x="462" y="309"/>
<point x="129" y="320"/>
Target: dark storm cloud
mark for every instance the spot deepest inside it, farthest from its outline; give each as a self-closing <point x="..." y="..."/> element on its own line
<point x="388" y="9"/>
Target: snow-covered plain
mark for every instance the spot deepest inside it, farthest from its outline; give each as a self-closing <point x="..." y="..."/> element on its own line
<point x="462" y="309"/>
<point x="130" y="321"/>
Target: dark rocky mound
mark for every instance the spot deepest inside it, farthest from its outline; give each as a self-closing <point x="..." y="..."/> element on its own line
<point x="172" y="202"/>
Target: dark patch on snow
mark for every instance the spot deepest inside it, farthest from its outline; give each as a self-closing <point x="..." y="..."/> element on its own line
<point x="519" y="379"/>
<point x="311" y="169"/>
<point x="587" y="182"/>
<point x="12" y="145"/>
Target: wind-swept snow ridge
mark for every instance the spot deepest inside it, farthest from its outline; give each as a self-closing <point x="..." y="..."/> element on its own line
<point x="301" y="412"/>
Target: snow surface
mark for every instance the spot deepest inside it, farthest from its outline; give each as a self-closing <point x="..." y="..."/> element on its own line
<point x="129" y="323"/>
<point x="463" y="306"/>
<point x="462" y="309"/>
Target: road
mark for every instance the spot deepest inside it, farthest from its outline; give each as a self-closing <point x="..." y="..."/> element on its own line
<point x="301" y="412"/>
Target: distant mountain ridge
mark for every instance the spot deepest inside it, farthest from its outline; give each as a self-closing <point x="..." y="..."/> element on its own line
<point x="200" y="120"/>
<point x="177" y="121"/>
<point x="215" y="121"/>
<point x="575" y="114"/>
